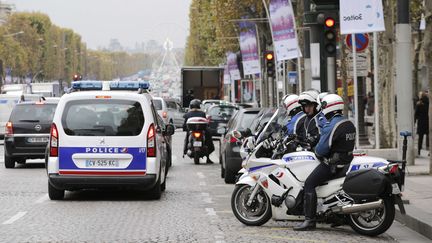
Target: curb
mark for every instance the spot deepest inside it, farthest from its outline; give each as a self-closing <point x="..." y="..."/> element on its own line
<point x="416" y="219"/>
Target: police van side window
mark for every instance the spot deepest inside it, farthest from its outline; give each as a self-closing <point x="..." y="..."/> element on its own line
<point x="103" y="118"/>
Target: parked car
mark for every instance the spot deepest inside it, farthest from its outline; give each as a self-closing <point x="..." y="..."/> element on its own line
<point x="230" y="147"/>
<point x="218" y="116"/>
<point x="206" y="104"/>
<point x="7" y="103"/>
<point x="170" y="111"/>
<point x="27" y="131"/>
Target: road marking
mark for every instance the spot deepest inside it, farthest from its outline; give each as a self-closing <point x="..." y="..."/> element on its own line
<point x="206" y="197"/>
<point x="15" y="218"/>
<point x="200" y="175"/>
<point x="202" y="183"/>
<point x="42" y="199"/>
<point x="211" y="212"/>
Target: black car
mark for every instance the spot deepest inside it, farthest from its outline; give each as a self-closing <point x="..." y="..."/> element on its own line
<point x="230" y="147"/>
<point x="28" y="131"/>
<point x="218" y="116"/>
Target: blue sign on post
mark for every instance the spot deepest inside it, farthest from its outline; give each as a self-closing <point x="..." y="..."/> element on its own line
<point x="292" y="77"/>
<point x="362" y="41"/>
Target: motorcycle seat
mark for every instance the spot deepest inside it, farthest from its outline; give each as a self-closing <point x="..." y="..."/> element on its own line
<point x="341" y="172"/>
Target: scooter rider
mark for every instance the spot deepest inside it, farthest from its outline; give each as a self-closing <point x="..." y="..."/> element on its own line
<point x="294" y="111"/>
<point x="335" y="147"/>
<point x="310" y="130"/>
<point x="194" y="111"/>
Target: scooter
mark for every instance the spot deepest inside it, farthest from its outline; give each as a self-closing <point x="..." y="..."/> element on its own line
<point x="362" y="195"/>
<point x="196" y="145"/>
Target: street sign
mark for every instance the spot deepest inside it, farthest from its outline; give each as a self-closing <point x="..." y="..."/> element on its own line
<point x="362" y="42"/>
<point x="362" y="64"/>
<point x="292" y="77"/>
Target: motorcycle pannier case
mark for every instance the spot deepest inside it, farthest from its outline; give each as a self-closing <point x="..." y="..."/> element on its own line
<point x="365" y="184"/>
<point x="197" y="124"/>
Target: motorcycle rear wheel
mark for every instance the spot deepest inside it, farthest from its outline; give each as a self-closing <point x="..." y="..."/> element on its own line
<point x="362" y="222"/>
<point x="196" y="158"/>
<point x="258" y="213"/>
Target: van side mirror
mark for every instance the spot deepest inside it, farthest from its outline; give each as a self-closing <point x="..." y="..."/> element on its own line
<point x="169" y="129"/>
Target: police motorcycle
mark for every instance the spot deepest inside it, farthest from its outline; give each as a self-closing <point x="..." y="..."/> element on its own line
<point x="363" y="195"/>
<point x="196" y="145"/>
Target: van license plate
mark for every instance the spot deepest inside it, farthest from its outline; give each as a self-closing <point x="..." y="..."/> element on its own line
<point x="37" y="140"/>
<point x="197" y="144"/>
<point x="106" y="163"/>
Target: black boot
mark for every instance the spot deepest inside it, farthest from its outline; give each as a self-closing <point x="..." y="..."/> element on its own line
<point x="209" y="160"/>
<point x="310" y="204"/>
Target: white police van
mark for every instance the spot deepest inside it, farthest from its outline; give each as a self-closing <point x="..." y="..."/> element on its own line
<point x="104" y="135"/>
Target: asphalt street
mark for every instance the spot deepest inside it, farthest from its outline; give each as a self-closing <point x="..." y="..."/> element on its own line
<point x="194" y="208"/>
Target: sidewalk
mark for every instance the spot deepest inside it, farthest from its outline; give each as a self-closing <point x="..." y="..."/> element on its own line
<point x="418" y="197"/>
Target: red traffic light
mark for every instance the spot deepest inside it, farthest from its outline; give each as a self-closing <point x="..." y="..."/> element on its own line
<point x="269" y="56"/>
<point x="329" y="22"/>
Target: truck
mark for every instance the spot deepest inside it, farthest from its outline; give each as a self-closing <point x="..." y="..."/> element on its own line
<point x="46" y="89"/>
<point x="201" y="83"/>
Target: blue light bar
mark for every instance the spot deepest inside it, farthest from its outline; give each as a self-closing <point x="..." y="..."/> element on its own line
<point x="87" y="85"/>
<point x="129" y="85"/>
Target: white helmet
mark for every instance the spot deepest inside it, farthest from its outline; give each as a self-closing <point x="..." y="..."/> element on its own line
<point x="307" y="97"/>
<point x="320" y="99"/>
<point x="322" y="95"/>
<point x="332" y="102"/>
<point x="291" y="103"/>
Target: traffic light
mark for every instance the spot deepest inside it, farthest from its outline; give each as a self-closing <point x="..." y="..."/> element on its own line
<point x="77" y="77"/>
<point x="270" y="63"/>
<point x="329" y="20"/>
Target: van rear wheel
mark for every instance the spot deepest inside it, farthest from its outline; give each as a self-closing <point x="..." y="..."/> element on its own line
<point x="9" y="162"/>
<point x="54" y="193"/>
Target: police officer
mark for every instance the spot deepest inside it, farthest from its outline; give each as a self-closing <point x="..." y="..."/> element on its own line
<point x="194" y="111"/>
<point x="309" y="125"/>
<point x="321" y="118"/>
<point x="335" y="150"/>
<point x="294" y="111"/>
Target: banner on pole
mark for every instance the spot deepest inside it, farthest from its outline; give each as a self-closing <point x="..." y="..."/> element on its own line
<point x="227" y="77"/>
<point x="361" y="16"/>
<point x="249" y="48"/>
<point x="284" y="30"/>
<point x="233" y="67"/>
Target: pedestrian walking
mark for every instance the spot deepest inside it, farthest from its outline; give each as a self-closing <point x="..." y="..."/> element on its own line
<point x="421" y="116"/>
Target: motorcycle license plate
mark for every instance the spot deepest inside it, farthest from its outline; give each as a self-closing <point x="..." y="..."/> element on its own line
<point x="197" y="144"/>
<point x="395" y="188"/>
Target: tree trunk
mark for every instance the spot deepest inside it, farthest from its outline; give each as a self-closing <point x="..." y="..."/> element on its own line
<point x="387" y="79"/>
<point x="428" y="61"/>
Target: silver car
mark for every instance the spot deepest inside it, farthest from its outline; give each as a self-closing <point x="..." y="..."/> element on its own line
<point x="170" y="110"/>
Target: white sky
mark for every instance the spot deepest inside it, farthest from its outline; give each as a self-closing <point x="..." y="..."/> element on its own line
<point x="130" y="21"/>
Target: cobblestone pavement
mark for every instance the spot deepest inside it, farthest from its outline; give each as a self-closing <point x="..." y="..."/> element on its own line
<point x="194" y="208"/>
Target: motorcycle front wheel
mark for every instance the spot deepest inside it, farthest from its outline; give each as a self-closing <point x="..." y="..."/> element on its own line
<point x="258" y="213"/>
<point x="373" y="222"/>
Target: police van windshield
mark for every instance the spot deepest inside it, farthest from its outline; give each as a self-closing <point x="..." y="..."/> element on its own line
<point x="103" y="118"/>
